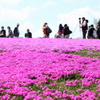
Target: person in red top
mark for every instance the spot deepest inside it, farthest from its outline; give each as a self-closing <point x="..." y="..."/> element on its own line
<point x="45" y="29"/>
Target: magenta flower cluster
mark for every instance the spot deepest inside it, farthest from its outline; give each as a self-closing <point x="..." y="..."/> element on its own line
<point x="26" y="62"/>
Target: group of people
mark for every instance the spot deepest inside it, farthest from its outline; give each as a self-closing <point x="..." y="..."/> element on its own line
<point x="14" y="33"/>
<point x="63" y="31"/>
<point x="10" y="32"/>
<point x="89" y="30"/>
<point x="92" y="30"/>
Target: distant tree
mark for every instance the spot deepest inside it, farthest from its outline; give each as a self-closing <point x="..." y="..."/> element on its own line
<point x="96" y="22"/>
<point x="99" y="22"/>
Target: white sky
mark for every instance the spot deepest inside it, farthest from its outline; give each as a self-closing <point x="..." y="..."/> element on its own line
<point x="33" y="13"/>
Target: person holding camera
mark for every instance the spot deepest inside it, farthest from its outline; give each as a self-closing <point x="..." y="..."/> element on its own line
<point x="84" y="26"/>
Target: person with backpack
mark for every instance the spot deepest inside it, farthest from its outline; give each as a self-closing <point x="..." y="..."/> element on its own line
<point x="46" y="30"/>
<point x="84" y="26"/>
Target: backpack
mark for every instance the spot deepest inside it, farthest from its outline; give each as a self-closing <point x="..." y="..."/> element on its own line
<point x="49" y="30"/>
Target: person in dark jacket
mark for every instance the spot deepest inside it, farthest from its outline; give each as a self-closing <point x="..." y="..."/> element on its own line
<point x="16" y="31"/>
<point x="84" y="26"/>
<point x="59" y="33"/>
<point x="90" y="32"/>
<point x="98" y="31"/>
<point x="28" y="34"/>
<point x="3" y="32"/>
<point x="60" y="29"/>
<point x="66" y="31"/>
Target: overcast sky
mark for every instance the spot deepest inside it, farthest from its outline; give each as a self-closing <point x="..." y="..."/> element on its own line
<point x="33" y="13"/>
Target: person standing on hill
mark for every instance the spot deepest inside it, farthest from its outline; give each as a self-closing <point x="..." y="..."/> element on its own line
<point x="2" y="32"/>
<point x="45" y="29"/>
<point x="84" y="26"/>
<point x="16" y="31"/>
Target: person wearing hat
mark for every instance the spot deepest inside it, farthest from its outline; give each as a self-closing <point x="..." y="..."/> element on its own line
<point x="28" y="34"/>
<point x="84" y="26"/>
<point x="2" y="32"/>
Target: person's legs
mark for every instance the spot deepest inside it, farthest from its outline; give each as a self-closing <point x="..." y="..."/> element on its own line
<point x="67" y="36"/>
<point x="84" y="34"/>
<point x="98" y="37"/>
<point x="48" y="35"/>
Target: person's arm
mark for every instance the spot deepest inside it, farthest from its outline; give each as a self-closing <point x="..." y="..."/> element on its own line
<point x="84" y="23"/>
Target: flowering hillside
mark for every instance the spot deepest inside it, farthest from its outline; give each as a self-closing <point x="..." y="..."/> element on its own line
<point x="49" y="69"/>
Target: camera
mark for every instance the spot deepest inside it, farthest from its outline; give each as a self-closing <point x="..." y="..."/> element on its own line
<point x="79" y="18"/>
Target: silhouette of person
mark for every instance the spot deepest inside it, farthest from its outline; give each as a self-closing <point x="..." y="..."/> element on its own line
<point x="2" y="32"/>
<point x="91" y="31"/>
<point x="16" y="31"/>
<point x="28" y="34"/>
<point x="10" y="34"/>
<point x="66" y="31"/>
<point x="84" y="26"/>
<point x="45" y="29"/>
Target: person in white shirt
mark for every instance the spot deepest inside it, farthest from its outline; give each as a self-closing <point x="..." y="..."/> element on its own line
<point x="84" y="26"/>
<point x="10" y="34"/>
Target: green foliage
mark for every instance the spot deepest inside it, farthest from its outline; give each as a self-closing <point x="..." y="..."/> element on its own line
<point x="96" y="22"/>
<point x="92" y="87"/>
<point x="73" y="76"/>
<point x="88" y="53"/>
<point x="55" y="50"/>
<point x="19" y="98"/>
<point x="61" y="82"/>
<point x="34" y="87"/>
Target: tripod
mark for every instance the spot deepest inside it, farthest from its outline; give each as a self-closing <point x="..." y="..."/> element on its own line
<point x="77" y="25"/>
